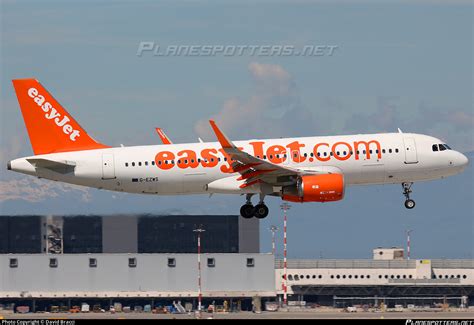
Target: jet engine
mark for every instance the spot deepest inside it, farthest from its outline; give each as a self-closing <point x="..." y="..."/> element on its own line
<point x="315" y="188"/>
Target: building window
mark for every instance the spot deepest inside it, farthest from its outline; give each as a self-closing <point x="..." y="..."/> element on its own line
<point x="92" y="262"/>
<point x="53" y="262"/>
<point x="250" y="262"/>
<point x="13" y="262"/>
<point x="132" y="262"/>
<point x="172" y="262"/>
<point x="211" y="262"/>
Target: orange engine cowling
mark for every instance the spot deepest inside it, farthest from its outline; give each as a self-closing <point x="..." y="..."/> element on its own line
<point x="316" y="188"/>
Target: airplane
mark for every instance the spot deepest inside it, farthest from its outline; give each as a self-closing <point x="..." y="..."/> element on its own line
<point x="304" y="169"/>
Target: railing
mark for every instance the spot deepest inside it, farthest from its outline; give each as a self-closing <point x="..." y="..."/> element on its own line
<point x="371" y="264"/>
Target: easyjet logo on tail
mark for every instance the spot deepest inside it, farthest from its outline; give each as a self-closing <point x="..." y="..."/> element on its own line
<point x="53" y="115"/>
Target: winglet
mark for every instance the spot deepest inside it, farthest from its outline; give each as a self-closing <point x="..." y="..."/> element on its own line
<point x="163" y="136"/>
<point x="224" y="141"/>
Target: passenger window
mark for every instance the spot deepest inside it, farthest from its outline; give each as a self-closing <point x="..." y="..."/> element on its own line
<point x="435" y="147"/>
<point x="383" y="150"/>
<point x="396" y="150"/>
<point x="126" y="164"/>
<point x="133" y="164"/>
<point x="146" y="163"/>
<point x="389" y="150"/>
<point x="153" y="162"/>
<point x="139" y="163"/>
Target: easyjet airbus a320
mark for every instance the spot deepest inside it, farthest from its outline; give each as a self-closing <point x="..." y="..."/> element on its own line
<point x="309" y="169"/>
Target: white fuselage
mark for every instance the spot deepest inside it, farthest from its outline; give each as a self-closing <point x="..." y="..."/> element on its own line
<point x="193" y="168"/>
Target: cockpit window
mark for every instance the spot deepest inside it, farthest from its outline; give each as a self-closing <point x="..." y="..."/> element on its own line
<point x="447" y="147"/>
<point x="442" y="147"/>
<point x="435" y="147"/>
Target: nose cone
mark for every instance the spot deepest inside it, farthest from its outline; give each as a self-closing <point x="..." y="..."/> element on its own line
<point x="462" y="161"/>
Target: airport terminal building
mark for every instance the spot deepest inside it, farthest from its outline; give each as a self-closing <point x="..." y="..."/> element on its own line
<point x="152" y="260"/>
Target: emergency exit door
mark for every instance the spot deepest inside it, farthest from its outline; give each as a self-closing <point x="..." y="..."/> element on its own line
<point x="108" y="167"/>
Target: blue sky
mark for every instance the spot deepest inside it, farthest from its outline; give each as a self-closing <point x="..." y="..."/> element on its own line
<point x="397" y="64"/>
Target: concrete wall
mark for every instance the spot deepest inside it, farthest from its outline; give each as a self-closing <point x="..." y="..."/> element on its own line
<point x="152" y="276"/>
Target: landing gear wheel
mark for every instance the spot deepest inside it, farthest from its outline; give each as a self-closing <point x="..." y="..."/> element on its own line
<point x="261" y="211"/>
<point x="409" y="204"/>
<point x="247" y="211"/>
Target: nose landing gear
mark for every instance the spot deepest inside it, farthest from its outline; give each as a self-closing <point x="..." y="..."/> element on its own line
<point x="409" y="203"/>
<point x="248" y="211"/>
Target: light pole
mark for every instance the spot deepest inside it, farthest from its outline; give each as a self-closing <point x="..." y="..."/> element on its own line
<point x="273" y="229"/>
<point x="285" y="207"/>
<point x="408" y="243"/>
<point x="199" y="230"/>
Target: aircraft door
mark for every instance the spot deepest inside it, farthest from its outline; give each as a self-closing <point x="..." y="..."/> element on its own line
<point x="411" y="156"/>
<point x="108" y="166"/>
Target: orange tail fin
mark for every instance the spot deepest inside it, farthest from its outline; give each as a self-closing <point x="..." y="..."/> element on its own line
<point x="50" y="127"/>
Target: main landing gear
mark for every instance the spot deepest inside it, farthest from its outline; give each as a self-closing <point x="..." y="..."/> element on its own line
<point x="259" y="211"/>
<point x="409" y="203"/>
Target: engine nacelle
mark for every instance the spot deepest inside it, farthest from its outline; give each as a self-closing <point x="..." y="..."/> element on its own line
<point x="315" y="188"/>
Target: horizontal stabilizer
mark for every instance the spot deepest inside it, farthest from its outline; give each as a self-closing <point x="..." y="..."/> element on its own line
<point x="62" y="166"/>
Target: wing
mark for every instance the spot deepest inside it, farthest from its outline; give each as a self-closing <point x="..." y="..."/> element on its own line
<point x="255" y="170"/>
<point x="62" y="167"/>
